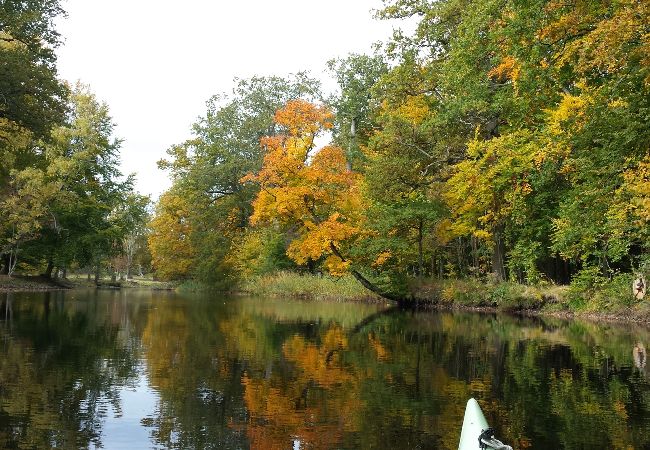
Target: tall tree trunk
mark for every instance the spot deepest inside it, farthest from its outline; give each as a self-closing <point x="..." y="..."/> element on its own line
<point x="97" y="273"/>
<point x="433" y="264"/>
<point x="498" y="253"/>
<point x="459" y="255"/>
<point x="474" y="242"/>
<point x="49" y="268"/>
<point x="420" y="252"/>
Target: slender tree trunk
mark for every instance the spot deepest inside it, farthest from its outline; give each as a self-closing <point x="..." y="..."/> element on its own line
<point x="64" y="273"/>
<point x="420" y="252"/>
<point x="498" y="266"/>
<point x="566" y="272"/>
<point x="459" y="255"/>
<point x="433" y="265"/>
<point x="475" y="255"/>
<point x="13" y="260"/>
<point x="97" y="273"/>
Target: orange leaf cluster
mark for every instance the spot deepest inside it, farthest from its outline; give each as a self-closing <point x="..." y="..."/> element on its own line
<point x="314" y="190"/>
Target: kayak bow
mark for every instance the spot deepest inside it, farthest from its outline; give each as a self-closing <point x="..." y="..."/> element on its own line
<point x="476" y="434"/>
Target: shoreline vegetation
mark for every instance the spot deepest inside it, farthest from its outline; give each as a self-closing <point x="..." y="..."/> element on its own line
<point x="608" y="301"/>
<point x="611" y="301"/>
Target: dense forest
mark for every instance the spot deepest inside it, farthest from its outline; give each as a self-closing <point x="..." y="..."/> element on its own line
<point x="498" y="140"/>
<point x="501" y="140"/>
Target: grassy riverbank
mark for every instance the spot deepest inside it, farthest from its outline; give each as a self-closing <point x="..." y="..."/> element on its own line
<point x="611" y="298"/>
<point x="604" y="298"/>
<point x="325" y="287"/>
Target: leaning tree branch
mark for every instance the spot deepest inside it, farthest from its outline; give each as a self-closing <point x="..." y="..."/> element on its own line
<point x="367" y="283"/>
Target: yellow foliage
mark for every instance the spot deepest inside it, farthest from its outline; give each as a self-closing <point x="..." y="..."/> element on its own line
<point x="414" y="110"/>
<point x="637" y="183"/>
<point x="508" y="69"/>
<point x="601" y="39"/>
<point x="313" y="190"/>
<point x="382" y="258"/>
<point x="171" y="250"/>
<point x="491" y="184"/>
<point x="571" y="108"/>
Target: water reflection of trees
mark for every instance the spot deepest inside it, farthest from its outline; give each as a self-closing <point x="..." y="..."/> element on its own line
<point x="282" y="378"/>
<point x="60" y="372"/>
<point x="265" y="375"/>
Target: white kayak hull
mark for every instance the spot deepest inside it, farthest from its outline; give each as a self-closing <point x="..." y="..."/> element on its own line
<point x="473" y="425"/>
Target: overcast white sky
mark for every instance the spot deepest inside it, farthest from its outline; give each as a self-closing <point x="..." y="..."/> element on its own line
<point x="156" y="62"/>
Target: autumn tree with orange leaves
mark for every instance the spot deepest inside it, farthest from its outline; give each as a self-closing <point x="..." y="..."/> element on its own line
<point x="311" y="192"/>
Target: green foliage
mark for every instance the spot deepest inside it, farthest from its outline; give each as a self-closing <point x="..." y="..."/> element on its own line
<point x="591" y="291"/>
<point x="33" y="98"/>
<point x="69" y="203"/>
<point x="354" y="105"/>
<point x="261" y="251"/>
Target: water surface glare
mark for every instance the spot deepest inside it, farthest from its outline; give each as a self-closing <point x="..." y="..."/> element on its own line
<point x="140" y="369"/>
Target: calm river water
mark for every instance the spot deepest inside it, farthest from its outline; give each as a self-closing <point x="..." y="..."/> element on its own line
<point x="140" y="369"/>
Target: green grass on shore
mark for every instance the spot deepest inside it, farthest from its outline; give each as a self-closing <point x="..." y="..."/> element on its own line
<point x="611" y="297"/>
<point x="325" y="287"/>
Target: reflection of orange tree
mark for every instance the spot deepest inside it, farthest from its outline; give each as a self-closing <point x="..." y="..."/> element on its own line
<point x="316" y="406"/>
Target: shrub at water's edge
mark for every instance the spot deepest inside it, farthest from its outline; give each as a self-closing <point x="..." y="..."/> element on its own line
<point x="585" y="296"/>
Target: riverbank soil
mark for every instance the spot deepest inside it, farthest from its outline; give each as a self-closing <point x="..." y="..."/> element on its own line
<point x="27" y="283"/>
<point x="17" y="283"/>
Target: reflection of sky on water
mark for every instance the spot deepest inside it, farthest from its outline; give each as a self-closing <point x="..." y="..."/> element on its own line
<point x="123" y="429"/>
